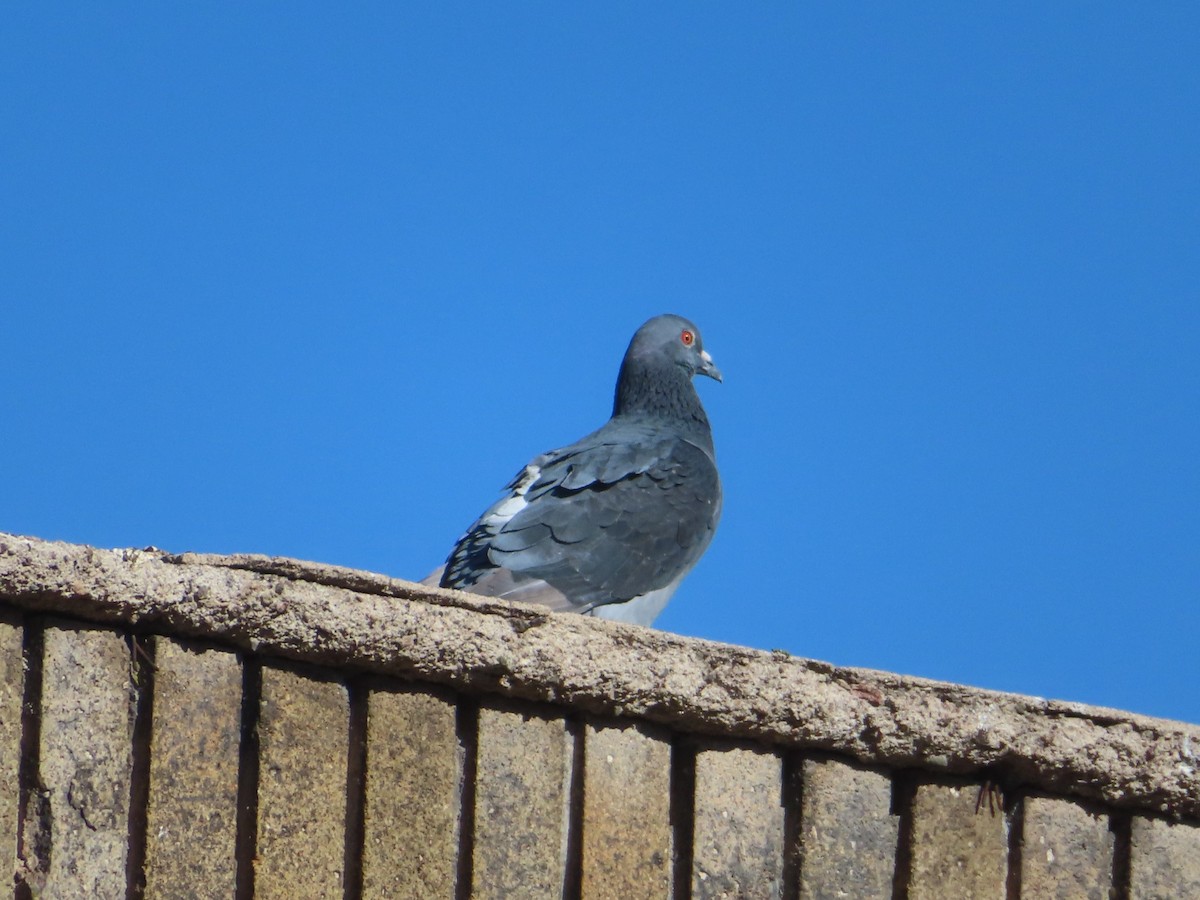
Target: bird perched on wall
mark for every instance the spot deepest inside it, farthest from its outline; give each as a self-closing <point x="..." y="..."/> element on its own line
<point x="609" y="525"/>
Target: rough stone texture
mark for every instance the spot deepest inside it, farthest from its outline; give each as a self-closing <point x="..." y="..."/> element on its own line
<point x="85" y="759"/>
<point x="957" y="852"/>
<point x="521" y="791"/>
<point x="191" y="826"/>
<point x="737" y="842"/>
<point x="626" y="812"/>
<point x="340" y="617"/>
<point x="412" y="800"/>
<point x="303" y="733"/>
<point x="1164" y="860"/>
<point x="1066" y="851"/>
<point x="75" y="830"/>
<point x="12" y="686"/>
<point x="847" y="831"/>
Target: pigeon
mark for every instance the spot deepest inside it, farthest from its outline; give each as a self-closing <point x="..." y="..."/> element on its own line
<point x="609" y="526"/>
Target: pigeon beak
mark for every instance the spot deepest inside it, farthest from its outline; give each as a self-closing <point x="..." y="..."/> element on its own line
<point x="707" y="367"/>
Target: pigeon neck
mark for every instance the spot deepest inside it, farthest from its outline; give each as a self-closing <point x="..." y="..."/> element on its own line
<point x="660" y="392"/>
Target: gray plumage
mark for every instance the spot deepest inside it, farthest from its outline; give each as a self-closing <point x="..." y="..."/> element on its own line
<point x="611" y="524"/>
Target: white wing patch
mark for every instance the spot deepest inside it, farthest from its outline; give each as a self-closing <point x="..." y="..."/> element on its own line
<point x="503" y="511"/>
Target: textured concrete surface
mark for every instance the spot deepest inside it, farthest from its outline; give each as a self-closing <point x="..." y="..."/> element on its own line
<point x="521" y="792"/>
<point x="340" y="617"/>
<point x="412" y="799"/>
<point x="847" y="832"/>
<point x="1164" y="860"/>
<point x="303" y="733"/>
<point x="737" y="841"/>
<point x="76" y="829"/>
<point x="12" y="686"/>
<point x="85" y="760"/>
<point x="957" y="852"/>
<point x="1066" y="851"/>
<point x="626" y="812"/>
<point x="191" y="826"/>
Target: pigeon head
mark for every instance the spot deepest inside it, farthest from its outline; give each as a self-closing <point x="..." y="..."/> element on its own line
<point x="656" y="374"/>
<point x="672" y="340"/>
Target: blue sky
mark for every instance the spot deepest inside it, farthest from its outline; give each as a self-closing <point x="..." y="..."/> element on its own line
<point x="317" y="281"/>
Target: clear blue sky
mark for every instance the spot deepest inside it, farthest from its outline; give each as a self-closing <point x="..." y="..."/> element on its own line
<point x="295" y="279"/>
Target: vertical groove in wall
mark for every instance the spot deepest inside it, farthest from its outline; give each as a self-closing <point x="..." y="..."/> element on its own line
<point x="356" y="780"/>
<point x="467" y="725"/>
<point x="1016" y="840"/>
<point x="141" y="662"/>
<point x="904" y="788"/>
<point x="247" y="790"/>
<point x="683" y="814"/>
<point x="573" y="869"/>
<point x="33" y="838"/>
<point x="792" y="799"/>
<point x="1121" y="825"/>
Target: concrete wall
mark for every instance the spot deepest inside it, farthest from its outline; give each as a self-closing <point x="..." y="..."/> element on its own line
<point x="241" y="727"/>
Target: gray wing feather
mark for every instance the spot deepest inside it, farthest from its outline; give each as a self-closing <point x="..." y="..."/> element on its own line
<point x="604" y="521"/>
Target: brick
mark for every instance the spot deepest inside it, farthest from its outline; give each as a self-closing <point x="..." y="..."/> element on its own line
<point x="737" y="842"/>
<point x="1066" y="850"/>
<point x="12" y="688"/>
<point x="847" y="831"/>
<point x="191" y="828"/>
<point x="85" y="759"/>
<point x="1164" y="860"/>
<point x="626" y="812"/>
<point x="521" y="792"/>
<point x="956" y="851"/>
<point x="303" y="733"/>
<point x="412" y="797"/>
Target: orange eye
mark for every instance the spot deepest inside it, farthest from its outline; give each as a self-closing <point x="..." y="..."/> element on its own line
<point x="688" y="338"/>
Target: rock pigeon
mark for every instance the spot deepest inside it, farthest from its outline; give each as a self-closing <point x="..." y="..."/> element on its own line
<point x="609" y="525"/>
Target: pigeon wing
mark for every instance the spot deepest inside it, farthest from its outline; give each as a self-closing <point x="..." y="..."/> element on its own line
<point x="599" y="522"/>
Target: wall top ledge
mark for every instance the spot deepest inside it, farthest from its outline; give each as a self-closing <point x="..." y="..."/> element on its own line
<point x="361" y="622"/>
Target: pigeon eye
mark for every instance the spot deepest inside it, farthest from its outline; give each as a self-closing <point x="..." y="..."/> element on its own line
<point x="688" y="338"/>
